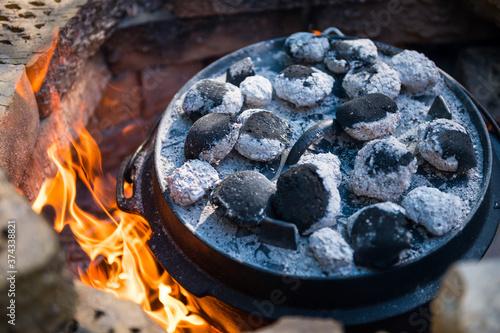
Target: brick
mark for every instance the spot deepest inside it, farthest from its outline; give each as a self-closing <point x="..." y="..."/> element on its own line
<point x="162" y="39"/>
<point x="44" y="292"/>
<point x="74" y="108"/>
<point x="161" y="83"/>
<point x="479" y="71"/>
<point x="121" y="100"/>
<point x="197" y="8"/>
<point x="18" y="120"/>
<point x="399" y="22"/>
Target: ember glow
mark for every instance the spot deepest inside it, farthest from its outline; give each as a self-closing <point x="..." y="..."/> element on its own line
<point x="116" y="242"/>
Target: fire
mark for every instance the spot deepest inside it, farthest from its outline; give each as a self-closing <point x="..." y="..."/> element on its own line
<point x="129" y="270"/>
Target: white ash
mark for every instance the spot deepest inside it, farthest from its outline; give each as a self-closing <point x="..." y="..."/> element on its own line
<point x="334" y="204"/>
<point x="327" y="163"/>
<point x="318" y="86"/>
<point x="375" y="129"/>
<point x="418" y="73"/>
<point x="257" y="91"/>
<point x="437" y="211"/>
<point x="232" y="100"/>
<point x="387" y="206"/>
<point x="358" y="53"/>
<point x="222" y="148"/>
<point x="431" y="150"/>
<point x="378" y="78"/>
<point x="262" y="149"/>
<point x="308" y="48"/>
<point x="191" y="181"/>
<point x="331" y="251"/>
<point x="381" y="185"/>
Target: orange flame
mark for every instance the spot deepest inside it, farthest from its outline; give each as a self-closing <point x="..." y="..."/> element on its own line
<point x="316" y="32"/>
<point x="37" y="70"/>
<point x="129" y="270"/>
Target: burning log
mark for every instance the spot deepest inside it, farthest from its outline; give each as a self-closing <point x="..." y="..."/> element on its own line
<point x="37" y="290"/>
<point x="54" y="39"/>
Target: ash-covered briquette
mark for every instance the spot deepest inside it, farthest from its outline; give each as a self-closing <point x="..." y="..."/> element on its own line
<point x="383" y="169"/>
<point x="211" y="96"/>
<point x="190" y="182"/>
<point x="306" y="47"/>
<point x="212" y="137"/>
<point x="377" y="78"/>
<point x="332" y="251"/>
<point x="437" y="211"/>
<point x="418" y="73"/>
<point x="305" y="198"/>
<point x="348" y="54"/>
<point x="263" y="136"/>
<point x="327" y="163"/>
<point x="239" y="71"/>
<point x="379" y="234"/>
<point x="369" y="117"/>
<point x="279" y="233"/>
<point x="439" y="109"/>
<point x="257" y="91"/>
<point x="243" y="197"/>
<point x="447" y="146"/>
<point x="303" y="86"/>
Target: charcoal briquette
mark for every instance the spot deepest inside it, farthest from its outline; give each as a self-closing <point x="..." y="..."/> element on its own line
<point x="239" y="71"/>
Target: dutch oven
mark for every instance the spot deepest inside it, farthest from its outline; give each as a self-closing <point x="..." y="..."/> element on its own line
<point x="237" y="296"/>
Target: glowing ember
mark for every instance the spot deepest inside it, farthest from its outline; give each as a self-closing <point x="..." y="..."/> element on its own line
<point x="129" y="270"/>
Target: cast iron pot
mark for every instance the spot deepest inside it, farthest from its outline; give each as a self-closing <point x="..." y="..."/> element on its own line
<point x="237" y="296"/>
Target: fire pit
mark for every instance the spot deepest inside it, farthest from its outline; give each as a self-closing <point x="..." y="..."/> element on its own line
<point x="243" y="295"/>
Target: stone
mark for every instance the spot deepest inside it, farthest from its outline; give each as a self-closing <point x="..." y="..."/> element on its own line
<point x="278" y="233"/>
<point x="54" y="39"/>
<point x="468" y="300"/>
<point x="100" y="312"/>
<point x="243" y="197"/>
<point x="44" y="291"/>
<point x="81" y="100"/>
<point x="18" y="119"/>
<point x="303" y="324"/>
